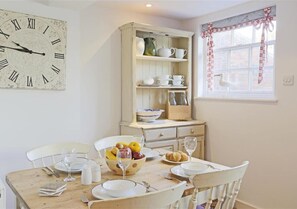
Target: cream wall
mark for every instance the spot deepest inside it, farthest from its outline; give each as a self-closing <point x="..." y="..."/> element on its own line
<point x="263" y="133"/>
<point x="101" y="71"/>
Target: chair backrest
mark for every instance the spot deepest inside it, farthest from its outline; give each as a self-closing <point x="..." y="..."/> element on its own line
<point x="111" y="141"/>
<point x="225" y="184"/>
<point x="48" y="154"/>
<point x="153" y="200"/>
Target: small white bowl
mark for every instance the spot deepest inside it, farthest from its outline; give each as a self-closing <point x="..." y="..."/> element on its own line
<point x="149" y="115"/>
<point x="192" y="168"/>
<point x="119" y="187"/>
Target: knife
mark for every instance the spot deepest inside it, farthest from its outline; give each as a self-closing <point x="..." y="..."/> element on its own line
<point x="54" y="172"/>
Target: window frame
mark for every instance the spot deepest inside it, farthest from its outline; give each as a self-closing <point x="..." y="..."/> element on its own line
<point x="241" y="95"/>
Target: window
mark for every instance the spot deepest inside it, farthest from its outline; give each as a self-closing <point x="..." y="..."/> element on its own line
<point x="232" y="54"/>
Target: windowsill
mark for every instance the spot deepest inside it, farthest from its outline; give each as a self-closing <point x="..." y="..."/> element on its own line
<point x="257" y="100"/>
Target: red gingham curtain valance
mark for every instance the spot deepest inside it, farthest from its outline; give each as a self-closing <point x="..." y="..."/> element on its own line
<point x="260" y="18"/>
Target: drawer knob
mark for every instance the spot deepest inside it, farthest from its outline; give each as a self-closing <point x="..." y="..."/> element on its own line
<point x="161" y="134"/>
<point x="192" y="131"/>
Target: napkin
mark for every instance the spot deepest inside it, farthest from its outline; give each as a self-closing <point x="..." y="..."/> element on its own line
<point x="52" y="189"/>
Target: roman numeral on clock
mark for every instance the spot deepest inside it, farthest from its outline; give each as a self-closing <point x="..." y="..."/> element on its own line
<point x="3" y="64"/>
<point x="29" y="81"/>
<point x="4" y="34"/>
<point x="45" y="81"/>
<point x="56" y="41"/>
<point x="59" y="56"/>
<point x="45" y="29"/>
<point x="54" y="68"/>
<point x="31" y="23"/>
<point x="16" y="24"/>
<point x="14" y="76"/>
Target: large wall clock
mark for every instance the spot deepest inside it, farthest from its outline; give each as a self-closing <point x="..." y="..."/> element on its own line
<point x="32" y="51"/>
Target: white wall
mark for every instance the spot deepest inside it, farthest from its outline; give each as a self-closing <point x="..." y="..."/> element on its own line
<point x="31" y="118"/>
<point x="101" y="71"/>
<point x="89" y="108"/>
<point x="263" y="133"/>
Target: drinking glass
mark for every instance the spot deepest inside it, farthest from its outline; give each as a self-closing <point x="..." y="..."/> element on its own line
<point x="124" y="157"/>
<point x="68" y="160"/>
<point x="190" y="145"/>
<point x="139" y="139"/>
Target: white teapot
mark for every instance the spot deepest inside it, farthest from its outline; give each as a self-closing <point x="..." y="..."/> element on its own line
<point x="166" y="52"/>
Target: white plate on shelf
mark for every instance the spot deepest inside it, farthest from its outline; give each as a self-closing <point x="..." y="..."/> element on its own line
<point x="179" y="171"/>
<point x="75" y="168"/>
<point x="100" y="193"/>
<point x="173" y="162"/>
<point x="150" y="153"/>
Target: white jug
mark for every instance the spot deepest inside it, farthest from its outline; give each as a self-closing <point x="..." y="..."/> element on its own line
<point x="139" y="46"/>
<point x="166" y="52"/>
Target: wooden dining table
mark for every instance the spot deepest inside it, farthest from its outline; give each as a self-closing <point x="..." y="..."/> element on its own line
<point x="25" y="184"/>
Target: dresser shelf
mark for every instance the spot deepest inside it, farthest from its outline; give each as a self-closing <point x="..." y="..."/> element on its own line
<point x="161" y="59"/>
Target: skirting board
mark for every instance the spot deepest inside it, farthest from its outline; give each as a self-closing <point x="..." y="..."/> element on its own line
<point x="239" y="204"/>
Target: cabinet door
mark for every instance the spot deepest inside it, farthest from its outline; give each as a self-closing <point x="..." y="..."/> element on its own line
<point x="199" y="152"/>
<point x="170" y="145"/>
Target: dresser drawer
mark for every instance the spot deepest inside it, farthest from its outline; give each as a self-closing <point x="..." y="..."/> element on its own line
<point x="159" y="134"/>
<point x="190" y="131"/>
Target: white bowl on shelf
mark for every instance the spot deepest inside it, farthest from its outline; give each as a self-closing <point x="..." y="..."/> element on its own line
<point x="119" y="187"/>
<point x="149" y="115"/>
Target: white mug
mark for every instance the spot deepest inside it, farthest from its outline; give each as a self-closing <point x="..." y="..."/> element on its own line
<point x="177" y="82"/>
<point x="180" y="53"/>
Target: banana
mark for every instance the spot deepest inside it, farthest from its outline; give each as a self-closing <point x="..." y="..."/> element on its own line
<point x="109" y="155"/>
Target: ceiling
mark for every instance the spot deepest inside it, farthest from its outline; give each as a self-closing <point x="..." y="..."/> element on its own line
<point x="176" y="9"/>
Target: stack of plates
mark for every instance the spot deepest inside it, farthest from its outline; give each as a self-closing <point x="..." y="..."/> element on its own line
<point x="54" y="189"/>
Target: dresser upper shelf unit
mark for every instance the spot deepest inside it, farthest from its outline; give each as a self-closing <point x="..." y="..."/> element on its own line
<point x="161" y="59"/>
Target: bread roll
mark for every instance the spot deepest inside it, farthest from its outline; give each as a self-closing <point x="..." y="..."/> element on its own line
<point x="176" y="156"/>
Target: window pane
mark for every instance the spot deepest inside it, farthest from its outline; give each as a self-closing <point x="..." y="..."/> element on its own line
<point x="239" y="80"/>
<point x="239" y="58"/>
<point x="243" y="36"/>
<point x="270" y="56"/>
<point x="271" y="35"/>
<point x="255" y="56"/>
<point x="267" y="83"/>
<point x="222" y="39"/>
<point x="220" y="61"/>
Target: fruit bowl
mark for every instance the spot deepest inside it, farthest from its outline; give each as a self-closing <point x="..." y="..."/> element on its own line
<point x="133" y="168"/>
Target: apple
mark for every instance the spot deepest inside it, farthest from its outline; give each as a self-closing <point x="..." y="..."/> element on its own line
<point x="135" y="146"/>
<point x="137" y="155"/>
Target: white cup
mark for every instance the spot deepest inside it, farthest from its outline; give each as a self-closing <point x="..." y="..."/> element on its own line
<point x="180" y="53"/>
<point x="178" y="77"/>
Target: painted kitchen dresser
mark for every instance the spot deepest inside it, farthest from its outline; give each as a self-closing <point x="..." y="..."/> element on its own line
<point x="149" y="53"/>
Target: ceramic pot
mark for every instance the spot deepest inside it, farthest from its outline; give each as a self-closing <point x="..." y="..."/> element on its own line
<point x="166" y="52"/>
<point x="150" y="49"/>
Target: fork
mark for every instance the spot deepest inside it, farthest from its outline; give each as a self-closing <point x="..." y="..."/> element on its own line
<point x="47" y="172"/>
<point x="148" y="186"/>
<point x="84" y="199"/>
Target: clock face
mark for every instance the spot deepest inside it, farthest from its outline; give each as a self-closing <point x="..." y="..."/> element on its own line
<point x="32" y="51"/>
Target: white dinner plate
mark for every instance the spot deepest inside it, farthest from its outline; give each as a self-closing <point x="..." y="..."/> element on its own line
<point x="179" y="171"/>
<point x="149" y="153"/>
<point x="75" y="168"/>
<point x="100" y="193"/>
<point x="173" y="162"/>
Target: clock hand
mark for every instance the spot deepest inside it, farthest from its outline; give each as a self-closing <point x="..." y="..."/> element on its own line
<point x="17" y="49"/>
<point x="23" y="50"/>
<point x="30" y="51"/>
<point x="20" y="46"/>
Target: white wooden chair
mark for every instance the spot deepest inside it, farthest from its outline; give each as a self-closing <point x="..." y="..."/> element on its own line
<point x="111" y="141"/>
<point x="167" y="198"/>
<point x="228" y="182"/>
<point x="49" y="154"/>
